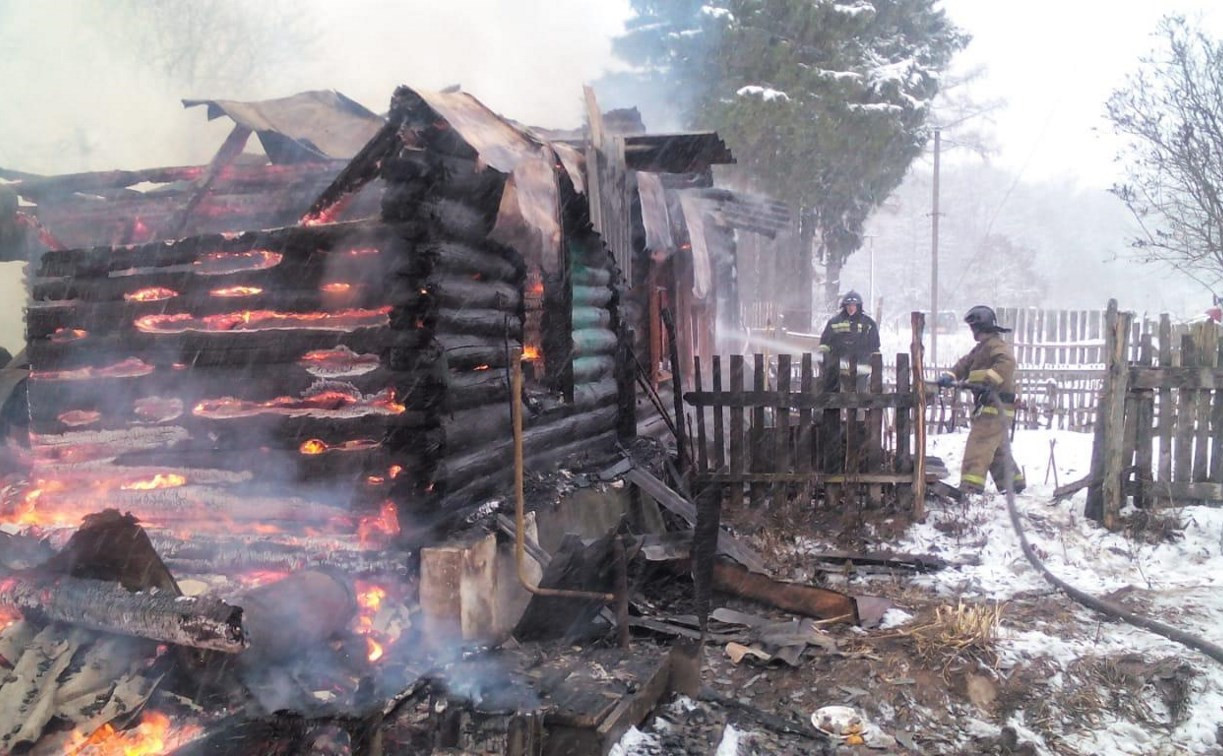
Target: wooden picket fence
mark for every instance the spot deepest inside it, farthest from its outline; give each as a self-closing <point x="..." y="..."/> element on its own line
<point x="1159" y="438"/>
<point x="778" y="439"/>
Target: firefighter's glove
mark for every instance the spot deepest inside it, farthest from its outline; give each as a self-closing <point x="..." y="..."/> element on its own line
<point x="946" y="381"/>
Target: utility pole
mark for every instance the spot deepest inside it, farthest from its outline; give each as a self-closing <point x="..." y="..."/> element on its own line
<point x="934" y="257"/>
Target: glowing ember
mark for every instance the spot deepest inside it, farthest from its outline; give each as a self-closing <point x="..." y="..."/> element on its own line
<point x="236" y="291"/>
<point x="480" y="367"/>
<point x="336" y="288"/>
<point x="169" y="480"/>
<point x="65" y="335"/>
<point x="329" y="399"/>
<point x="313" y="446"/>
<point x="224" y="263"/>
<point x="340" y="362"/>
<point x="151" y="294"/>
<point x="530" y="354"/>
<point x="155" y="409"/>
<point x="266" y="320"/>
<point x="379" y="529"/>
<point x="371" y="598"/>
<point x="394" y="471"/>
<point x="132" y="367"/>
<point x="77" y="418"/>
<point x="363" y="251"/>
<point x="375" y="649"/>
<point x="375" y="480"/>
<point x="153" y="735"/>
<point x="318" y="446"/>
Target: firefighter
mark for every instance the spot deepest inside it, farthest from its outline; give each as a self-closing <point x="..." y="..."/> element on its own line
<point x="990" y="369"/>
<point x="849" y="334"/>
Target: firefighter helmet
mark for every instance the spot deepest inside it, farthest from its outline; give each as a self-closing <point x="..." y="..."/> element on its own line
<point x="982" y="318"/>
<point x="852" y="297"/>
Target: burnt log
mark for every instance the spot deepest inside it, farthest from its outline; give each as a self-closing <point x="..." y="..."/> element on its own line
<point x="459" y="292"/>
<point x="204" y="623"/>
<point x="212" y="349"/>
<point x="592" y="369"/>
<point x="804" y="600"/>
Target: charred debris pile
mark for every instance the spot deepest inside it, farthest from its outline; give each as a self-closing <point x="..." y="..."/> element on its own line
<point x="285" y="446"/>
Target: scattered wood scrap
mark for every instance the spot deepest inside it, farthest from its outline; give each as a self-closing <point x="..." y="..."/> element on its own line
<point x="804" y="600"/>
<point x="674" y="502"/>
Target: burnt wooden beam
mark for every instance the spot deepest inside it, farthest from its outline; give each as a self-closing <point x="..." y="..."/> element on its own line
<point x="360" y="170"/>
<point x="205" y="623"/>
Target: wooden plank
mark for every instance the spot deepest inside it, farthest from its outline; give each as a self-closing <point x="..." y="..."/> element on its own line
<point x="1206" y="345"/>
<point x="702" y="453"/>
<point x="757" y="399"/>
<point x="1186" y="417"/>
<point x="1167" y="412"/>
<point x="719" y="433"/>
<point x="874" y="430"/>
<point x="917" y="353"/>
<point x="758" y="453"/>
<point x="818" y="477"/>
<point x="806" y="429"/>
<point x="904" y="426"/>
<point x="674" y="502"/>
<point x="735" y="495"/>
<point x="1192" y="378"/>
<point x="1183" y="494"/>
<point x="782" y="428"/>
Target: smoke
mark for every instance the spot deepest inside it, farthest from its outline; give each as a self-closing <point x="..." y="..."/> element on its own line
<point x="93" y="86"/>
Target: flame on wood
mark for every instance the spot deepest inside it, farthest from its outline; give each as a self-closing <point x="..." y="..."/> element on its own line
<point x="132" y="367"/>
<point x="156" y="409"/>
<point x="530" y="353"/>
<point x="225" y="263"/>
<point x="363" y="251"/>
<point x="332" y="400"/>
<point x="154" y="735"/>
<point x="66" y="335"/>
<point x="167" y="480"/>
<point x="379" y="529"/>
<point x="340" y="362"/>
<point x="336" y="287"/>
<point x="266" y="320"/>
<point x="236" y="291"/>
<point x="150" y="294"/>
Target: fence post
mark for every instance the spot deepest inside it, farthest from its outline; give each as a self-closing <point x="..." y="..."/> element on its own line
<point x="1106" y="493"/>
<point x="917" y="353"/>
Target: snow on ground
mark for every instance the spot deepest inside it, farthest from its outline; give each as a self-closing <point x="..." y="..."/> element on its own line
<point x="1178" y="582"/>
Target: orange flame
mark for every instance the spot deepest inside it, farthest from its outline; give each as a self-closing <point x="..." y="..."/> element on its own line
<point x="530" y="353"/>
<point x="153" y="735"/>
<point x="376" y="530"/>
<point x="336" y="288"/>
<point x="265" y="320"/>
<point x="224" y="263"/>
<point x="375" y="649"/>
<point x="167" y="480"/>
<point x="313" y="446"/>
<point x="338" y="362"/>
<point x="327" y="403"/>
<point x="480" y="367"/>
<point x="237" y="291"/>
<point x="151" y="294"/>
<point x="132" y="367"/>
<point x="395" y="471"/>
<point x="62" y="335"/>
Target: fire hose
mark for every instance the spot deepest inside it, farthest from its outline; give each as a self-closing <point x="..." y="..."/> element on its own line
<point x="1107" y="608"/>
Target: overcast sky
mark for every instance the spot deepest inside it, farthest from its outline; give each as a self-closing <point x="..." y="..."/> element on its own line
<point x="1055" y="62"/>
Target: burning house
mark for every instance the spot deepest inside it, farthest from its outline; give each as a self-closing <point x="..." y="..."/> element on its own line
<point x="293" y="372"/>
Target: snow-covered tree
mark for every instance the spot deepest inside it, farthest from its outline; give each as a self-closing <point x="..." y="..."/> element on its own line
<point x="1171" y="112"/>
<point x="824" y="102"/>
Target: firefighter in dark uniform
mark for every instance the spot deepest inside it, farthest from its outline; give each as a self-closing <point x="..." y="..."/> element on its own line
<point x="850" y="334"/>
<point x="990" y="368"/>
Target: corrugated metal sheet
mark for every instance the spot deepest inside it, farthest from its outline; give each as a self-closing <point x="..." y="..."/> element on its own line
<point x="310" y="125"/>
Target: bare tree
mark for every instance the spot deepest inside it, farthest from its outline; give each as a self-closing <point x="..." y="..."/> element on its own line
<point x="1171" y="114"/>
